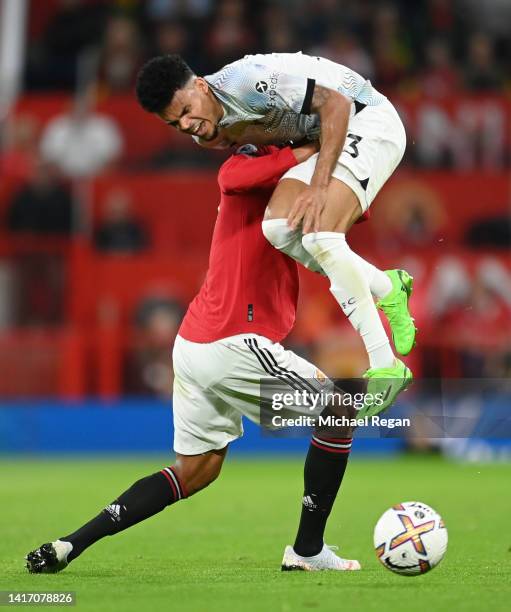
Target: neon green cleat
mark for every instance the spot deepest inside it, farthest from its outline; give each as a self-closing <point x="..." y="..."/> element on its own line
<point x="383" y="386"/>
<point x="395" y="307"/>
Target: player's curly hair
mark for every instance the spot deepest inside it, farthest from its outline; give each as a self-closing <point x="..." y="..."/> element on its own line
<point x="158" y="81"/>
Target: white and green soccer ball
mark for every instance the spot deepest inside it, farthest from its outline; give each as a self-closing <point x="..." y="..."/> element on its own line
<point x="410" y="538"/>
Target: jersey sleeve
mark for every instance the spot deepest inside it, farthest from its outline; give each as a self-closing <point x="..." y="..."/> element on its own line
<point x="263" y="88"/>
<point x="244" y="172"/>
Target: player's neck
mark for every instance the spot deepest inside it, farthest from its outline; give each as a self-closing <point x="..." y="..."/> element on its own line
<point x="218" y="108"/>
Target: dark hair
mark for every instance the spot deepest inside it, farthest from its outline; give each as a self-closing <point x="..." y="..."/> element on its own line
<point x="158" y="81"/>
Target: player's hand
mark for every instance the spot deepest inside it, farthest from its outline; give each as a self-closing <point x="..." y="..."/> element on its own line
<point x="307" y="209"/>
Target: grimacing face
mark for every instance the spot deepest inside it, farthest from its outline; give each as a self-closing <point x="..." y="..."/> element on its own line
<point x="194" y="110"/>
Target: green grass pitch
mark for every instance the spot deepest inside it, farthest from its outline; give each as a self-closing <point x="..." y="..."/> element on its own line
<point x="221" y="550"/>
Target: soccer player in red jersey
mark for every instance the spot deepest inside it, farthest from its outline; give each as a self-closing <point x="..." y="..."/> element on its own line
<point x="229" y="341"/>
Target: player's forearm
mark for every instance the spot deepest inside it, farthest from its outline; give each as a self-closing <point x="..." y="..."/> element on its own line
<point x="334" y="112"/>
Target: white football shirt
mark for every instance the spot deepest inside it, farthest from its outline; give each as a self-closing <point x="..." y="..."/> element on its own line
<point x="276" y="90"/>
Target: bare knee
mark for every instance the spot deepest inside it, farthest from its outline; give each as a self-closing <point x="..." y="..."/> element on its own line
<point x="196" y="472"/>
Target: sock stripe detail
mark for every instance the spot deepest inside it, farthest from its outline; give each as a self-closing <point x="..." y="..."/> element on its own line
<point x="331" y="447"/>
<point x="178" y="488"/>
<point x="331" y="450"/>
<point x="333" y="440"/>
<point x="171" y="482"/>
<point x="182" y="488"/>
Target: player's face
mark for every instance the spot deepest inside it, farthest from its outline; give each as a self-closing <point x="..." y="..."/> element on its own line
<point x="194" y="110"/>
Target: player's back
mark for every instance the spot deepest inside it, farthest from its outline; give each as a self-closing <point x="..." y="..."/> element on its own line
<point x="250" y="287"/>
<point x="324" y="71"/>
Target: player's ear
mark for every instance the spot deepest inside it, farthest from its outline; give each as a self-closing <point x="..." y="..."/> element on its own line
<point x="202" y="85"/>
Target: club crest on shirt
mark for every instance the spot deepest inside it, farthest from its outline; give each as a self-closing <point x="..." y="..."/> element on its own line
<point x="320" y="376"/>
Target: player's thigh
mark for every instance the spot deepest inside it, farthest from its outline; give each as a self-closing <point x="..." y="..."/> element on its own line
<point x="283" y="198"/>
<point x="203" y="422"/>
<point x="342" y="208"/>
<point x="374" y="147"/>
<point x="262" y="369"/>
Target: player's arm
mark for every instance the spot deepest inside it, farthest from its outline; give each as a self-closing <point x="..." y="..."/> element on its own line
<point x="245" y="172"/>
<point x="333" y="109"/>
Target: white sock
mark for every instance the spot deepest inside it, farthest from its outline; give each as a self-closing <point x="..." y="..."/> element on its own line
<point x="379" y="283"/>
<point x="349" y="286"/>
<point x="289" y="241"/>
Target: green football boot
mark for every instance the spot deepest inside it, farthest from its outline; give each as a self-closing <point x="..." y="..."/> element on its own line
<point x="383" y="386"/>
<point x="395" y="307"/>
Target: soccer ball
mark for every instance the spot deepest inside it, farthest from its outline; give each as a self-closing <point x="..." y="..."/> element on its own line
<point x="410" y="538"/>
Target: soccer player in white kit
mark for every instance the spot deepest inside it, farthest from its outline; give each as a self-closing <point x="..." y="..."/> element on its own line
<point x="281" y="97"/>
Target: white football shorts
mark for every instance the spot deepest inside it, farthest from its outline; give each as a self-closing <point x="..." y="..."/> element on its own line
<point x="216" y="383"/>
<point x="375" y="145"/>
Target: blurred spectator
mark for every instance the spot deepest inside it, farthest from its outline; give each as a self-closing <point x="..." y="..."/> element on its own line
<point x="75" y="26"/>
<point x="281" y="40"/>
<point x="82" y="143"/>
<point x="277" y="30"/>
<point x="162" y="10"/>
<point x="120" y="232"/>
<point x="170" y="37"/>
<point x="392" y="54"/>
<point x="42" y="206"/>
<point x="439" y="77"/>
<point x="492" y="15"/>
<point x="19" y="157"/>
<point x="121" y="56"/>
<point x="228" y="37"/>
<point x="392" y="35"/>
<point x="490" y="233"/>
<point x="40" y="288"/>
<point x="317" y="18"/>
<point x="482" y="72"/>
<point x="342" y="46"/>
<point x="149" y="367"/>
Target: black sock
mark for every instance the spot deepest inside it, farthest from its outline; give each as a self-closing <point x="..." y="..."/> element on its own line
<point x="143" y="499"/>
<point x="323" y="473"/>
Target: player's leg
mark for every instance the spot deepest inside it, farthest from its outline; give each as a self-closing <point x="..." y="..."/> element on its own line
<point x="281" y="236"/>
<point x="348" y="284"/>
<point x="145" y="498"/>
<point x="276" y="229"/>
<point x="202" y="430"/>
<point x="255" y="358"/>
<point x="363" y="168"/>
<point x="325" y="465"/>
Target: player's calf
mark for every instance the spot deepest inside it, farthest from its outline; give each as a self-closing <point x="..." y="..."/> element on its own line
<point x="145" y="498"/>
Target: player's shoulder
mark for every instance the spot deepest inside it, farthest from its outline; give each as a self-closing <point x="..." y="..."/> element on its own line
<point x="252" y="64"/>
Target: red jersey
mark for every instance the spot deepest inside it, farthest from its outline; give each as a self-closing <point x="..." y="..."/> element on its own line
<point x="250" y="286"/>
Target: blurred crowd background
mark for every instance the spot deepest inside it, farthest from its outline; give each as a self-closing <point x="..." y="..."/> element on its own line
<point x="106" y="215"/>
